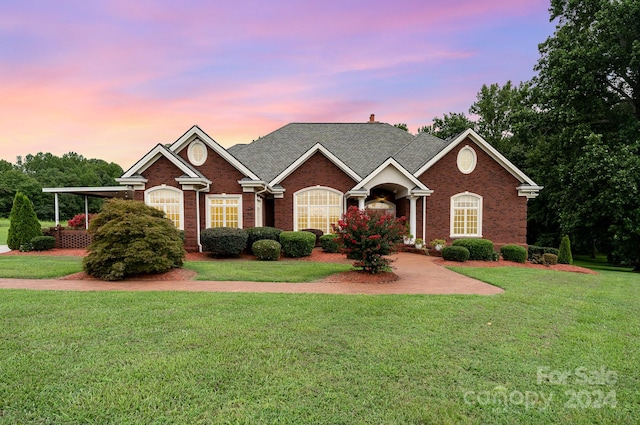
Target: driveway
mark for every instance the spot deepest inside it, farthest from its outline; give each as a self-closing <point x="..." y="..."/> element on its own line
<point x="418" y="275"/>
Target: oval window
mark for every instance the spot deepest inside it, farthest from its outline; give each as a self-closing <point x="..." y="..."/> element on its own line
<point x="197" y="152"/>
<point x="467" y="160"/>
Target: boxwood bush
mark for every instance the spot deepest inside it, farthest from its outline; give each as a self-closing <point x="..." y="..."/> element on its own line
<point x="316" y="232"/>
<point x="536" y="253"/>
<point x="455" y="253"/>
<point x="329" y="242"/>
<point x="223" y="241"/>
<point x="550" y="259"/>
<point x="514" y="253"/>
<point x="297" y="244"/>
<point x="43" y="243"/>
<point x="479" y="249"/>
<point x="266" y="250"/>
<point x="255" y="234"/>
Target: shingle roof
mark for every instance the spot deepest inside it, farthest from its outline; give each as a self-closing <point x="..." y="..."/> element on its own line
<point x="422" y="148"/>
<point x="361" y="146"/>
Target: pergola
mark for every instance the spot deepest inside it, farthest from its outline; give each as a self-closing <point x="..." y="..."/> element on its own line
<point x="96" y="192"/>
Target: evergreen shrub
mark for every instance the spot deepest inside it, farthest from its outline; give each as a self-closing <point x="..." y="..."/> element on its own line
<point x="479" y="249"/>
<point x="255" y="234"/>
<point x="130" y="238"/>
<point x="43" y="243"/>
<point x="564" y="253"/>
<point x="224" y="241"/>
<point x="514" y="253"/>
<point x="455" y="253"/>
<point x="266" y="250"/>
<point x="23" y="223"/>
<point x="297" y="244"/>
<point x="330" y="243"/>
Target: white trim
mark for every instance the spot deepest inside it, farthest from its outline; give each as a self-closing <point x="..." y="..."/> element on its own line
<point x="151" y="157"/>
<point x="403" y="171"/>
<point x="171" y="189"/>
<point x="196" y="132"/>
<point x="307" y="189"/>
<point x="308" y="154"/>
<point x="486" y="147"/>
<point x="452" y="215"/>
<point x="474" y="160"/>
<point x="192" y="159"/>
<point x="208" y="198"/>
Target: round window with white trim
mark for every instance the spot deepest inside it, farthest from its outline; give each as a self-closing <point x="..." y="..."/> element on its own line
<point x="197" y="152"/>
<point x="467" y="160"/>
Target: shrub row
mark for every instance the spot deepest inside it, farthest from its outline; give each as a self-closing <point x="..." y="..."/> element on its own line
<point x="479" y="249"/>
<point x="514" y="253"/>
<point x="455" y="253"/>
<point x="230" y="242"/>
<point x="536" y="253"/>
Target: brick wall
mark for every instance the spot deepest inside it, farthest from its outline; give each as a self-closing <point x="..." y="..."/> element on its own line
<point x="504" y="215"/>
<point x="68" y="238"/>
<point x="316" y="171"/>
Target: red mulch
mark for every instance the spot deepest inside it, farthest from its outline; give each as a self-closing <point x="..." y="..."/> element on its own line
<point x="503" y="263"/>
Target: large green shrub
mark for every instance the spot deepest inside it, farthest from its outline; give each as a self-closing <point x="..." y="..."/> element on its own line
<point x="266" y="250"/>
<point x="564" y="253"/>
<point x="330" y="242"/>
<point x="43" y="243"/>
<point x="255" y="234"/>
<point x="23" y="222"/>
<point x="130" y="238"/>
<point x="316" y="232"/>
<point x="514" y="253"/>
<point x="297" y="244"/>
<point x="455" y="253"/>
<point x="479" y="249"/>
<point x="224" y="241"/>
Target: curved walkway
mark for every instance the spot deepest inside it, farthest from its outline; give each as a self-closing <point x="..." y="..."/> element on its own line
<point x="418" y="275"/>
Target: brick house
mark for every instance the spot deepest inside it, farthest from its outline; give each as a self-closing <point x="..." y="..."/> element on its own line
<point x="305" y="175"/>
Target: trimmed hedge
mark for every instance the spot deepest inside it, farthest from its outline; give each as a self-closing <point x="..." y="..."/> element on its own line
<point x="536" y="253"/>
<point x="266" y="250"/>
<point x="316" y="232"/>
<point x="224" y="241"/>
<point x="255" y="234"/>
<point x="297" y="244"/>
<point x="43" y="243"/>
<point x="550" y="259"/>
<point x="329" y="243"/>
<point x="479" y="249"/>
<point x="455" y="253"/>
<point x="514" y="253"/>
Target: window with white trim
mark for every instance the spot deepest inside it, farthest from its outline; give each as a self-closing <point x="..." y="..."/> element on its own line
<point x="167" y="199"/>
<point x="317" y="208"/>
<point x="467" y="160"/>
<point x="224" y="211"/>
<point x="466" y="215"/>
<point x="197" y="152"/>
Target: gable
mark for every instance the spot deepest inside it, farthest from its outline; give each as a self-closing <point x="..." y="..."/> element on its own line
<point x="317" y="170"/>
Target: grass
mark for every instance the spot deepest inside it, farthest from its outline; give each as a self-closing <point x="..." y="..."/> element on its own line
<point x="176" y="357"/>
<point x="38" y="267"/>
<point x="4" y="228"/>
<point x="264" y="271"/>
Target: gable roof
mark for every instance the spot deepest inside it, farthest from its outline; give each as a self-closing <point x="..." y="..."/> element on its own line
<point x="153" y="155"/>
<point x="361" y="147"/>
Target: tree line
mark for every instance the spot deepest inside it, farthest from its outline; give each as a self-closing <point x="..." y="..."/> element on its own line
<point x="33" y="172"/>
<point x="574" y="128"/>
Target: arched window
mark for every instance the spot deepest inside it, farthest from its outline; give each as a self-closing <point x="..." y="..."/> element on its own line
<point x="466" y="215"/>
<point x="317" y="208"/>
<point x="167" y="199"/>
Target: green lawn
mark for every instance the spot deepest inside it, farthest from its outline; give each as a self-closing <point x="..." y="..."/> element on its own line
<point x="177" y="357"/>
<point x="264" y="271"/>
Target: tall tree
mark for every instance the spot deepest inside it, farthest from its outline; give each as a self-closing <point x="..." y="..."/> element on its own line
<point x="450" y="125"/>
<point x="588" y="122"/>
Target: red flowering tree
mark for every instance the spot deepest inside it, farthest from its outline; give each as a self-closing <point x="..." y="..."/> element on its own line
<point x="77" y="222"/>
<point x="367" y="237"/>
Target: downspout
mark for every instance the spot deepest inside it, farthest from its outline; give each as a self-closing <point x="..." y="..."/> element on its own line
<point x="424" y="219"/>
<point x="255" y="198"/>
<point x="198" y="216"/>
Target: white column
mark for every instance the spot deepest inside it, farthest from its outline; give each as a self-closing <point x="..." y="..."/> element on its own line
<point x="86" y="212"/>
<point x="56" y="207"/>
<point x="412" y="215"/>
<point x="361" y="203"/>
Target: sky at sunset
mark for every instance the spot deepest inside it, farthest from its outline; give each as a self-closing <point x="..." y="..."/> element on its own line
<point x="111" y="79"/>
